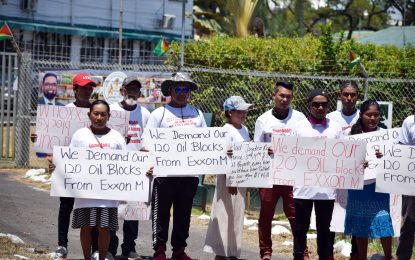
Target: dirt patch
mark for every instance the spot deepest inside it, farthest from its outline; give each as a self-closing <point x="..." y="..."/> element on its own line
<point x="8" y="250"/>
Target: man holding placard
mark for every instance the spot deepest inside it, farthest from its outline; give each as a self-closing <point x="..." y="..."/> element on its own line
<point x="346" y="117"/>
<point x="406" y="239"/>
<point x="319" y="126"/>
<point x="139" y="115"/>
<point x="174" y="191"/>
<point x="278" y="120"/>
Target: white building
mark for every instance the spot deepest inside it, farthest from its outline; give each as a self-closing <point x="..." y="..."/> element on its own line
<point x="88" y="30"/>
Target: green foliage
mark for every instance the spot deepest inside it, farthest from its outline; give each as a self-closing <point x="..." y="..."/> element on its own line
<point x="301" y="56"/>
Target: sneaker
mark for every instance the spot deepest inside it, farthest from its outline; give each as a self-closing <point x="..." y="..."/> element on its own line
<point x="160" y="253"/>
<point x="180" y="255"/>
<point x="60" y="253"/>
<point x="266" y="257"/>
<point x="95" y="256"/>
<point x="131" y="256"/>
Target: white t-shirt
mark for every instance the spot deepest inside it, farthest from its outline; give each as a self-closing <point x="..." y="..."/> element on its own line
<point x="267" y="124"/>
<point x="331" y="131"/>
<point x="71" y="105"/>
<point x="238" y="135"/>
<point x="408" y="131"/>
<point x="85" y="138"/>
<point x="172" y="117"/>
<point x="137" y="122"/>
<point x="346" y="122"/>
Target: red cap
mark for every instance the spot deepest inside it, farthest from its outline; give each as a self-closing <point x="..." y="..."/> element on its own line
<point x="82" y="80"/>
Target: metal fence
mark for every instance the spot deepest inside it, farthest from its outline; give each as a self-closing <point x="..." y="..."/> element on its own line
<point x="215" y="85"/>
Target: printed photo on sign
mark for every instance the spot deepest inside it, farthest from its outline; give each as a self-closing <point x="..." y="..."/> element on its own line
<point x="100" y="174"/>
<point x="317" y="162"/>
<point x="251" y="166"/>
<point x="188" y="151"/>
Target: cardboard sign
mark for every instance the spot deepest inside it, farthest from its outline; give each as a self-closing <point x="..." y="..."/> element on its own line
<point x="374" y="140"/>
<point x="55" y="125"/>
<point x="307" y="162"/>
<point x="134" y="210"/>
<point x="100" y="174"/>
<point x="396" y="171"/>
<point x="251" y="166"/>
<point x="188" y="151"/>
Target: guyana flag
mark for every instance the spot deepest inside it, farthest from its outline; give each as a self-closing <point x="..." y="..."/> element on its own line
<point x="161" y="47"/>
<point x="354" y="59"/>
<point x="5" y="32"/>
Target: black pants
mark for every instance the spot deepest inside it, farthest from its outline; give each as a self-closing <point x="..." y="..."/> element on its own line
<point x="324" y="211"/>
<point x="130" y="234"/>
<point x="64" y="217"/>
<point x="177" y="192"/>
<point x="406" y="240"/>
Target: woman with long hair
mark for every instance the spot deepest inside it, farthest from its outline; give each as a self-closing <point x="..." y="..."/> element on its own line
<point x="367" y="212"/>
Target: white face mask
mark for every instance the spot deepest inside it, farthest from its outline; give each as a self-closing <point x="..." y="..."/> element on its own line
<point x="131" y="101"/>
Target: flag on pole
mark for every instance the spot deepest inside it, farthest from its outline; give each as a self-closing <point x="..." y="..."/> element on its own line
<point x="356" y="60"/>
<point x="161" y="47"/>
<point x="5" y="32"/>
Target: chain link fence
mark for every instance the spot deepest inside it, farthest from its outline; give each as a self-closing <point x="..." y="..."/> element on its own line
<point x="215" y="85"/>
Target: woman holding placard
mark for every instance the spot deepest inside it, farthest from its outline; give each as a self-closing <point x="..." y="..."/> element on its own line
<point x="367" y="212"/>
<point x="96" y="213"/>
<point x="224" y="235"/>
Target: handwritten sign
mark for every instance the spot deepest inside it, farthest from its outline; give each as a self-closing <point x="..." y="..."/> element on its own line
<point x="396" y="172"/>
<point x="55" y="125"/>
<point x="134" y="210"/>
<point x="251" y="166"/>
<point x="100" y="174"/>
<point x="374" y="140"/>
<point x="188" y="151"/>
<point x="305" y="161"/>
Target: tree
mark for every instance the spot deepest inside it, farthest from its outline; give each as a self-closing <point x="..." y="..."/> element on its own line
<point x="407" y="10"/>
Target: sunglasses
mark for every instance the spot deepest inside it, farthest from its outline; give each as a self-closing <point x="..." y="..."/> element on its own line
<point x="181" y="90"/>
<point x="318" y="104"/>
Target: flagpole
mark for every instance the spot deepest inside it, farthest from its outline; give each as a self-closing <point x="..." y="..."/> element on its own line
<point x="182" y="47"/>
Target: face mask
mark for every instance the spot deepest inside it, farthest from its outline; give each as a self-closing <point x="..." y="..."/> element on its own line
<point x="49" y="95"/>
<point x="131" y="101"/>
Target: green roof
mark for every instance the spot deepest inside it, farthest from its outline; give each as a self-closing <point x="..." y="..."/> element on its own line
<point x="397" y="36"/>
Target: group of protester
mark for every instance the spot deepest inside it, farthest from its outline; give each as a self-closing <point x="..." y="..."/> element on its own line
<point x="367" y="213"/>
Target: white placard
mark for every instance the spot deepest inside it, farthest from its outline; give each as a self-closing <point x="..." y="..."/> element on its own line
<point x="134" y="210"/>
<point x="396" y="171"/>
<point x="374" y="140"/>
<point x="188" y="151"/>
<point x="251" y="166"/>
<point x="55" y="125"/>
<point x="308" y="162"/>
<point x="100" y="174"/>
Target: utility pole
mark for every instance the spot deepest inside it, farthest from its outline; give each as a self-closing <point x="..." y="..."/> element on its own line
<point x="182" y="47"/>
<point x="120" y="33"/>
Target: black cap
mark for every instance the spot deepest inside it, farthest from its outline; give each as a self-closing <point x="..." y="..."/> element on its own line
<point x="317" y="92"/>
<point x="129" y="80"/>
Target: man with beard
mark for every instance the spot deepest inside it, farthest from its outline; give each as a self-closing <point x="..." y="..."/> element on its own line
<point x="49" y="89"/>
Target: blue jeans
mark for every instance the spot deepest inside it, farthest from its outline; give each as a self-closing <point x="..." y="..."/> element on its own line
<point x="130" y="234"/>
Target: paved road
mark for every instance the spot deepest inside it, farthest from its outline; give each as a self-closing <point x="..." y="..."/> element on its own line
<point x="32" y="215"/>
